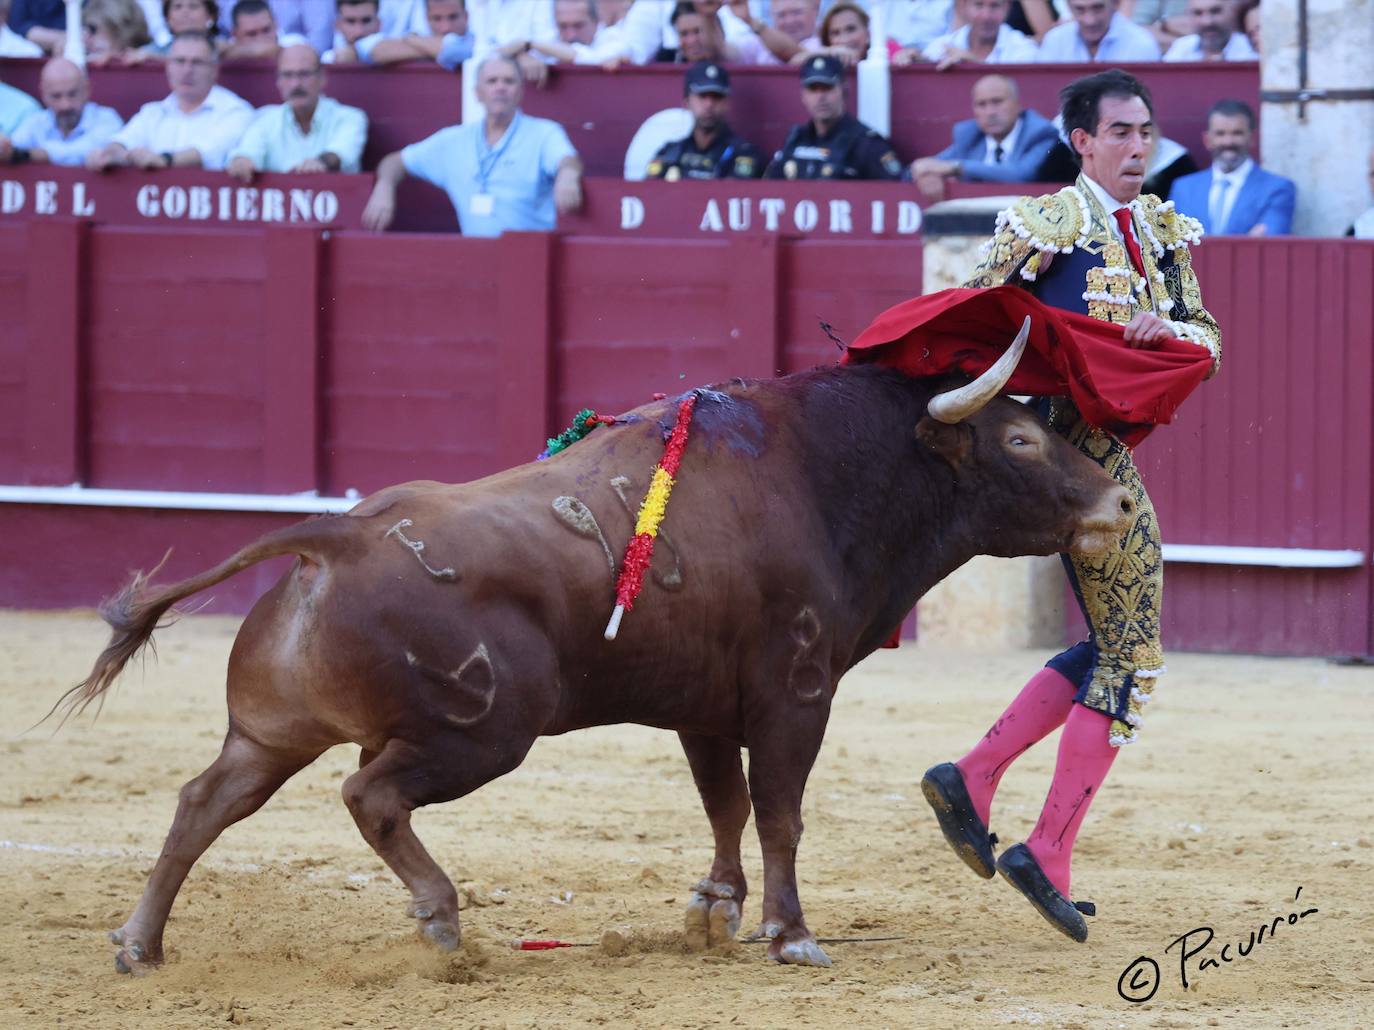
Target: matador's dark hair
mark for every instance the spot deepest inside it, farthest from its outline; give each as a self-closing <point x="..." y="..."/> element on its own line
<point x="1079" y="101"/>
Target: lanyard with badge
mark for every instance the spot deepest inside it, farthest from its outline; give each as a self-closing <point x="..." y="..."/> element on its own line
<point x="483" y="203"/>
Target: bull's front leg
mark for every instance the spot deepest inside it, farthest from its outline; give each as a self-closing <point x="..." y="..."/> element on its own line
<point x="713" y="913"/>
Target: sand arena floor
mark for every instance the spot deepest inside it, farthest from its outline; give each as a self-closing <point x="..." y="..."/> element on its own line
<point x="1252" y="780"/>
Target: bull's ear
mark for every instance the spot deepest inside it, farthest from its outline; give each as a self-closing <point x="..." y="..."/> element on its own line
<point x="953" y="443"/>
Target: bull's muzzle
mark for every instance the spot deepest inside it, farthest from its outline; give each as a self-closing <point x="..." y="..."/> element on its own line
<point x="1106" y="523"/>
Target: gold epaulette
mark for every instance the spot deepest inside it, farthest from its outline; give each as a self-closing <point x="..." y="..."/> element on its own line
<point x="1055" y="223"/>
<point x="1169" y="228"/>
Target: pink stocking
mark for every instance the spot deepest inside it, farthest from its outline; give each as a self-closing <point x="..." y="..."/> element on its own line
<point x="1085" y="756"/>
<point x="1040" y="708"/>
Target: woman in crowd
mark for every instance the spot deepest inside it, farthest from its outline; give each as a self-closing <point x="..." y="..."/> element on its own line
<point x="186" y="16"/>
<point x="114" y="31"/>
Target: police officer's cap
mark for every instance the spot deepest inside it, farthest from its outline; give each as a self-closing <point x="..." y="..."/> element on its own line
<point x="708" y="77"/>
<point x="822" y="70"/>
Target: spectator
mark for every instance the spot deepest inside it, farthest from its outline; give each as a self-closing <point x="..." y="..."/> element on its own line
<point x="1214" y="36"/>
<point x="511" y="25"/>
<point x="751" y="40"/>
<point x="15" y="107"/>
<point x="41" y="22"/>
<point x="507" y="172"/>
<point x="402" y="17"/>
<point x="12" y="44"/>
<point x="446" y="39"/>
<point x="1250" y="23"/>
<point x="712" y="151"/>
<point x="914" y="24"/>
<point x="833" y="144"/>
<point x="608" y="40"/>
<point x="255" y="32"/>
<point x="307" y="131"/>
<point x="311" y="19"/>
<point x="1166" y="20"/>
<point x="357" y="29"/>
<point x="798" y="20"/>
<point x="1099" y="32"/>
<point x="185" y="16"/>
<point x="985" y="37"/>
<point x="70" y="128"/>
<point x="1235" y="196"/>
<point x="699" y="38"/>
<point x="844" y="35"/>
<point x="114" y="31"/>
<point x="1363" y="229"/>
<point x="193" y="127"/>
<point x="1001" y="143"/>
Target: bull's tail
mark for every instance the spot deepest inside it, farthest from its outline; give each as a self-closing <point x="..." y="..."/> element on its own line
<point x="137" y="610"/>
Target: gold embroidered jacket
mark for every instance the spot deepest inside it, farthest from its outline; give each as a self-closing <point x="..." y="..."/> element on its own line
<point x="1070" y="230"/>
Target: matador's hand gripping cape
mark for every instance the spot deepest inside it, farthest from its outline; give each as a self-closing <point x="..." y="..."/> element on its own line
<point x="1122" y="390"/>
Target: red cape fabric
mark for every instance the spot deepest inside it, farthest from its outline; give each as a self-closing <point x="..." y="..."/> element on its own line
<point x="1117" y="388"/>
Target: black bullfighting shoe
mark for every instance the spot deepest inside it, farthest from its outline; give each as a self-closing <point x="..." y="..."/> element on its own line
<point x="943" y="786"/>
<point x="1020" y="869"/>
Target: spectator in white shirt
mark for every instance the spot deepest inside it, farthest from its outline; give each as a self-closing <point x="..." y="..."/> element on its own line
<point x="256" y="33"/>
<point x="798" y="20"/>
<point x="357" y="29"/>
<point x="1214" y="35"/>
<point x="311" y="19"/>
<point x="307" y="132"/>
<point x="446" y="39"/>
<point x="1099" y="32"/>
<point x="751" y="40"/>
<point x="70" y="127"/>
<point x="193" y="127"/>
<point x="589" y="32"/>
<point x="985" y="37"/>
<point x="11" y="43"/>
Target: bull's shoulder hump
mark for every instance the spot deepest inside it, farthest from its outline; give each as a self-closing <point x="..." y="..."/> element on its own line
<point x="1052" y="221"/>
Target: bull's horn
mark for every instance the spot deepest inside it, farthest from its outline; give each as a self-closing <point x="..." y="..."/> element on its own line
<point x="956" y="405"/>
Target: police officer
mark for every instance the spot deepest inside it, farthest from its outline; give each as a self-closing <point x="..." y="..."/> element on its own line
<point x="712" y="151"/>
<point x="833" y="144"/>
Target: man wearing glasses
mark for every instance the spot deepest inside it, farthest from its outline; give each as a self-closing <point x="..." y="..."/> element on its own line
<point x="193" y="127"/>
<point x="306" y="132"/>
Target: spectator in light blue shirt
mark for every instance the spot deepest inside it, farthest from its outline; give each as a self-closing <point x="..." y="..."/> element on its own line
<point x="307" y="132"/>
<point x="1100" y="33"/>
<point x="447" y="40"/>
<point x="507" y="172"/>
<point x="15" y="106"/>
<point x="71" y="127"/>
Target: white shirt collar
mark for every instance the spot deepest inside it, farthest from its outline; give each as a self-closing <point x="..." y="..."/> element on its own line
<point x="1008" y="143"/>
<point x="1108" y="202"/>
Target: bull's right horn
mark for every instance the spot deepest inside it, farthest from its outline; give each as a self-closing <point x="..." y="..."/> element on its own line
<point x="956" y="405"/>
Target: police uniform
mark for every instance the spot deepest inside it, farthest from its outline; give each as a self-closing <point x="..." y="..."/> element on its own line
<point x="729" y="156"/>
<point x="850" y="150"/>
<point x="1064" y="248"/>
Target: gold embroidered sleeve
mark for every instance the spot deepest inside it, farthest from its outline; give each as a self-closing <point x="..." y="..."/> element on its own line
<point x="1001" y="256"/>
<point x="1030" y="228"/>
<point x="1197" y="325"/>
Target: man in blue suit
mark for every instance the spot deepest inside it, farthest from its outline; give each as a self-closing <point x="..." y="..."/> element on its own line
<point x="1000" y="143"/>
<point x="1235" y="196"/>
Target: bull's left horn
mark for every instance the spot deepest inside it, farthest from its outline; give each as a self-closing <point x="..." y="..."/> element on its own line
<point x="956" y="405"/>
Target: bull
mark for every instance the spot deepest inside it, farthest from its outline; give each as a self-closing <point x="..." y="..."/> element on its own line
<point x="443" y="628"/>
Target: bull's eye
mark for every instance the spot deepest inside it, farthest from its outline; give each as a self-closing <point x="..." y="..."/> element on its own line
<point x="1019" y="441"/>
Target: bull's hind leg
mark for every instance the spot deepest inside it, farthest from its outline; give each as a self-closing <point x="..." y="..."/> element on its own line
<point x="713" y="913"/>
<point x="783" y="745"/>
<point x="404" y="776"/>
<point x="235" y="786"/>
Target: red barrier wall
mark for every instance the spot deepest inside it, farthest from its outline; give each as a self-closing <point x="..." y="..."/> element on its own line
<point x="286" y="360"/>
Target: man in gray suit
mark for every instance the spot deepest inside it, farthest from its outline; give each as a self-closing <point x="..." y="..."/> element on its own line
<point x="1002" y="142"/>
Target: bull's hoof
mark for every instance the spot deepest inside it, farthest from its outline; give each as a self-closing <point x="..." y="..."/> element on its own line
<point x="712" y="917"/>
<point x="444" y="935"/>
<point x="133" y="958"/>
<point x="724" y="922"/>
<point x="803" y="952"/>
<point x="766" y="932"/>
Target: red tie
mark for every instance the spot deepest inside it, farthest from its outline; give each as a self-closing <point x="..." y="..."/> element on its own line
<point x="1123" y="219"/>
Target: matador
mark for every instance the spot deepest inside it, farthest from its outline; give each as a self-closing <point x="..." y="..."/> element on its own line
<point x="1098" y="248"/>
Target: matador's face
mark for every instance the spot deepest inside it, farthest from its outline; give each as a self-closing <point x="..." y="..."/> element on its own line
<point x="1115" y="156"/>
